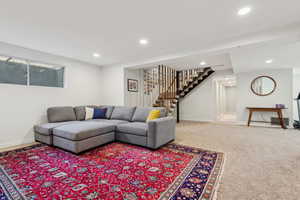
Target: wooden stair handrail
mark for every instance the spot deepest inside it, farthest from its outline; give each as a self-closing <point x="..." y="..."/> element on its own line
<point x="166" y="86"/>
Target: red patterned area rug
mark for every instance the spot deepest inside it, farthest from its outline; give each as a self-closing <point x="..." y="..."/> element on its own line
<point x="114" y="171"/>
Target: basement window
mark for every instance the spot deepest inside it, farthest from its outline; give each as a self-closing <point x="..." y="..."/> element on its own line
<point x="45" y="75"/>
<point x="30" y="73"/>
<point x="13" y="71"/>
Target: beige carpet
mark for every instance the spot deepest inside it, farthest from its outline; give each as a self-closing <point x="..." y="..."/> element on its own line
<point x="261" y="163"/>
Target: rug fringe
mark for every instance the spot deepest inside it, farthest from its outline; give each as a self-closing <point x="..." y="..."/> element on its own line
<point x="215" y="194"/>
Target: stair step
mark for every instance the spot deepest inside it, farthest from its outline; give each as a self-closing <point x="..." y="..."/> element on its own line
<point x="164" y="99"/>
<point x="187" y="85"/>
<point x="205" y="73"/>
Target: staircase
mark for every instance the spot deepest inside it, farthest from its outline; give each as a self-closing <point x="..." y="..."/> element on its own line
<point x="190" y="79"/>
<point x="166" y="86"/>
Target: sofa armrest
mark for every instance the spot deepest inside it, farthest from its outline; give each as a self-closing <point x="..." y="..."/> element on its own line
<point x="160" y="131"/>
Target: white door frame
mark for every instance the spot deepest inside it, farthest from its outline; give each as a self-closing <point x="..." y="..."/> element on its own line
<point x="220" y="95"/>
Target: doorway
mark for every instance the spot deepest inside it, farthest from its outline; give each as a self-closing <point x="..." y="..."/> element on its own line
<point x="226" y="99"/>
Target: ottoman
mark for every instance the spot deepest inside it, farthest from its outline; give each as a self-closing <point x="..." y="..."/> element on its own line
<point x="81" y="136"/>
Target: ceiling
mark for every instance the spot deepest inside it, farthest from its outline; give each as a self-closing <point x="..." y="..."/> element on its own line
<point x="217" y="62"/>
<point x="283" y="54"/>
<point x="220" y="61"/>
<point x="77" y="29"/>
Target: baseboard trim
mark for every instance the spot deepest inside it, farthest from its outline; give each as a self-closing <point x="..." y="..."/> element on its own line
<point x="197" y="120"/>
<point x="258" y="124"/>
<point x="16" y="143"/>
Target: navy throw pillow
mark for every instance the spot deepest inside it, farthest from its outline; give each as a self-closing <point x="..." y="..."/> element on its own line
<point x="99" y="113"/>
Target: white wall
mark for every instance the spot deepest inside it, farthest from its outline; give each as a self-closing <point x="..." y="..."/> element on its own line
<point x="23" y="106"/>
<point x="134" y="98"/>
<point x="200" y="104"/>
<point x="138" y="98"/>
<point x="296" y="90"/>
<point x="112" y="85"/>
<point x="282" y="95"/>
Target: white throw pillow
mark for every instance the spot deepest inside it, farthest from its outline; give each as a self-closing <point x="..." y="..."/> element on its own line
<point x="89" y="113"/>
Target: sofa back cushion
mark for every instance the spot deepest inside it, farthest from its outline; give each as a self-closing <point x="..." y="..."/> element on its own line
<point x="122" y="113"/>
<point x="61" y="114"/>
<point x="80" y="111"/>
<point x="141" y="114"/>
<point x="109" y="111"/>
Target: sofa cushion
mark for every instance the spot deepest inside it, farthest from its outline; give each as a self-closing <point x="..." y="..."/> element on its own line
<point x="109" y="110"/>
<point x="89" y="113"/>
<point x="135" y="128"/>
<point x="141" y="114"/>
<point x="61" y="114"/>
<point x="99" y="113"/>
<point x="95" y="113"/>
<point x="82" y="130"/>
<point x="110" y="121"/>
<point x="122" y="113"/>
<point x="154" y="114"/>
<point x="80" y="111"/>
<point x="46" y="129"/>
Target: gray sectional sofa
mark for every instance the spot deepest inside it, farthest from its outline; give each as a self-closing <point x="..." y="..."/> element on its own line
<point x="67" y="129"/>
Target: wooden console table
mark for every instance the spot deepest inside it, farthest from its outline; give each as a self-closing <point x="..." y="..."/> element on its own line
<point x="261" y="109"/>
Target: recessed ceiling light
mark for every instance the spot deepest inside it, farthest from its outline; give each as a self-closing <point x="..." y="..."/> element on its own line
<point x="269" y="61"/>
<point x="144" y="41"/>
<point x="244" y="11"/>
<point x="96" y="55"/>
<point x="203" y="63"/>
